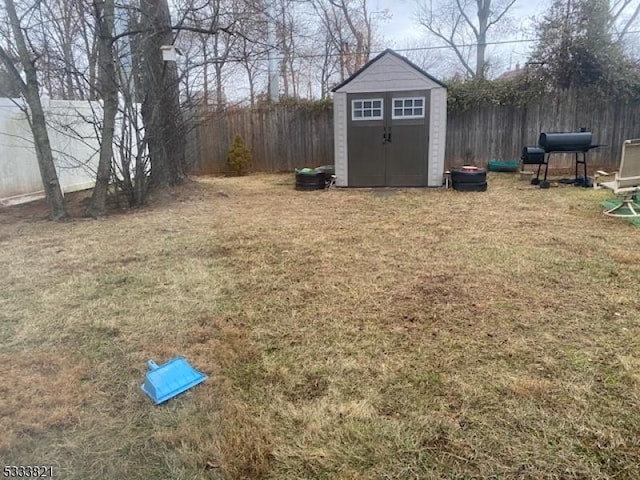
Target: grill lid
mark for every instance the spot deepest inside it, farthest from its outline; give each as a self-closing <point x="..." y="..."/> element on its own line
<point x="566" y="142"/>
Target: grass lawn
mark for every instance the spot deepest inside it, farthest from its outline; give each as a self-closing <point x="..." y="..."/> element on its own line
<point x="348" y="334"/>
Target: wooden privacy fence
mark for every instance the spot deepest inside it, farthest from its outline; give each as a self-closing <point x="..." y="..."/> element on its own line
<point x="280" y="137"/>
<point x="500" y="132"/>
<point x="284" y="137"/>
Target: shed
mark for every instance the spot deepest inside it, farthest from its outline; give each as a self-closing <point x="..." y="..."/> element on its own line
<point x="390" y="121"/>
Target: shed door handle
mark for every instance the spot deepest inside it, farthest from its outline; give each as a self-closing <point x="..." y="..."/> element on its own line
<point x="389" y="135"/>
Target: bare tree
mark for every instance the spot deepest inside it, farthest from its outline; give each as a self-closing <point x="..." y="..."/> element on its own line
<point x="287" y="25"/>
<point x="29" y="88"/>
<point x="104" y="13"/>
<point x="420" y="52"/>
<point x="624" y="14"/>
<point x="211" y="46"/>
<point x="250" y="48"/>
<point x="250" y="56"/>
<point x="222" y="44"/>
<point x="464" y="23"/>
<point x="357" y="46"/>
<point x="161" y="104"/>
<point x="88" y="42"/>
<point x="57" y="39"/>
<point x="329" y="66"/>
<point x="347" y="33"/>
<point x="332" y="27"/>
<point x="63" y="28"/>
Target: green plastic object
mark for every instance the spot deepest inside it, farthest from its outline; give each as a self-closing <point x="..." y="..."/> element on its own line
<point x="504" y="165"/>
<point x="306" y="171"/>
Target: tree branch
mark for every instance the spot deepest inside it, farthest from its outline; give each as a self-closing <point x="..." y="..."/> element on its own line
<point x="449" y="41"/>
<point x="11" y="68"/>
<point x="499" y="17"/>
<point x="629" y="23"/>
<point x="467" y="19"/>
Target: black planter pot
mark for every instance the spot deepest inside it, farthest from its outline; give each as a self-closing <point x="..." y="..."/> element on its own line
<point x="310" y="181"/>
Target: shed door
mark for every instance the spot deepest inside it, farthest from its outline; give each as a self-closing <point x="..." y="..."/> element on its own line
<point x="388" y="139"/>
<point x="408" y="133"/>
<point x="365" y="140"/>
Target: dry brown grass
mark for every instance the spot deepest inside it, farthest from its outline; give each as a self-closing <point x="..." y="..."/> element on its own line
<point x="347" y="334"/>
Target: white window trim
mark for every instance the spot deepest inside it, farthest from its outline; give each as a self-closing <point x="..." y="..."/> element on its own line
<point x="359" y="119"/>
<point x="401" y="117"/>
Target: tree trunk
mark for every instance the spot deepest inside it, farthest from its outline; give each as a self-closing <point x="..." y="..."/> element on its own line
<point x="161" y="106"/>
<point x="104" y="11"/>
<point x="48" y="174"/>
<point x="480" y="55"/>
<point x="89" y="45"/>
<point x="67" y="35"/>
<point x="218" y="72"/>
<point x="252" y="87"/>
<point x="30" y="89"/>
<point x="484" y="11"/>
<point x="205" y="70"/>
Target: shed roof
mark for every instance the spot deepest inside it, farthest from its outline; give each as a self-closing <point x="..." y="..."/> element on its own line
<point x="419" y="74"/>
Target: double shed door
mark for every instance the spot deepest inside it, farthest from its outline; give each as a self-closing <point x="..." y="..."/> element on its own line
<point x="388" y="138"/>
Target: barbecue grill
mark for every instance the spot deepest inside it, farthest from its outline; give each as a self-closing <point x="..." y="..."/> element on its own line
<point x="532" y="155"/>
<point x="559" y="142"/>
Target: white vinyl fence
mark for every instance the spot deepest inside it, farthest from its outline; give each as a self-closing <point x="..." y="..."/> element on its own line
<point x="72" y="133"/>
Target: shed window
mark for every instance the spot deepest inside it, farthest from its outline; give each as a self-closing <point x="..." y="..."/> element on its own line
<point x="408" y="107"/>
<point x="369" y="109"/>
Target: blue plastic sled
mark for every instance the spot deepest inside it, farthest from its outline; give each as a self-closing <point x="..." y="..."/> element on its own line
<point x="171" y="379"/>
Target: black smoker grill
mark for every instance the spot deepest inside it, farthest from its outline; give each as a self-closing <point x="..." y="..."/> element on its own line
<point x="532" y="156"/>
<point x="548" y="143"/>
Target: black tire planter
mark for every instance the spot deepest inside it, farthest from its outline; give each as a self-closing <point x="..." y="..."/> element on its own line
<point x="475" y="176"/>
<point x="310" y="181"/>
<point x="470" y="187"/>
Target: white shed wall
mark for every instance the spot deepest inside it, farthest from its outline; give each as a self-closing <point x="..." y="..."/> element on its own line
<point x="437" y="136"/>
<point x="340" y="113"/>
<point x="75" y="158"/>
<point x="389" y="73"/>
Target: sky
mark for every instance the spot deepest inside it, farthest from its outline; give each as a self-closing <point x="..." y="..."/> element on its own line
<point x="402" y="30"/>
